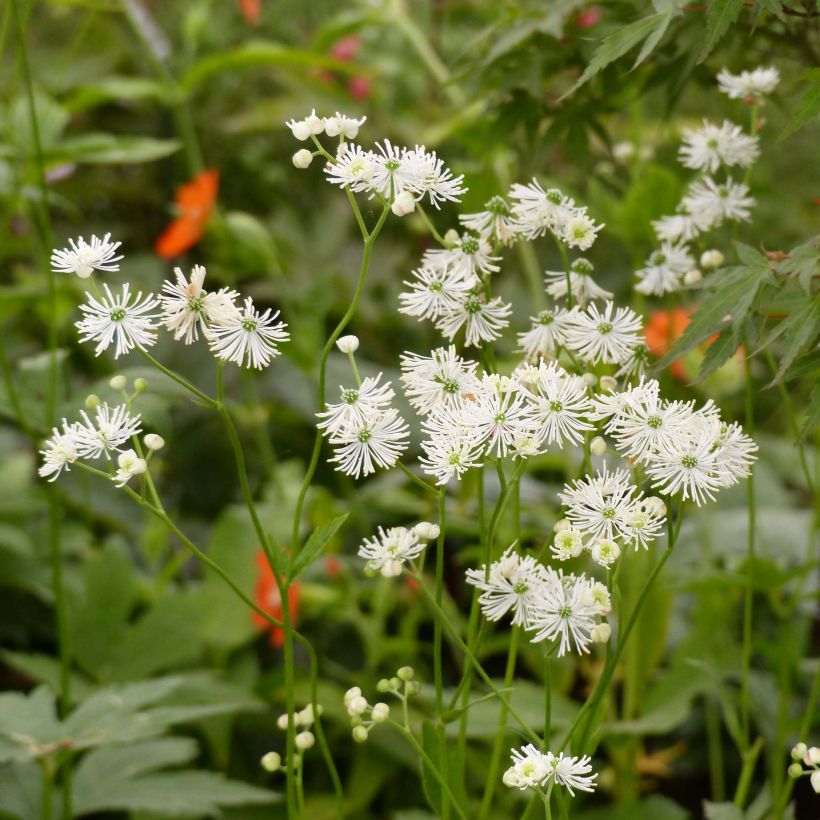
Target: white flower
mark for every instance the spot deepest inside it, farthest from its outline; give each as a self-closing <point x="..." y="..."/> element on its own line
<point x="353" y="168"/>
<point x="584" y="287"/>
<point x="709" y="147"/>
<point x="531" y="768"/>
<point x="129" y="464"/>
<point x="756" y="83"/>
<point x="605" y="552"/>
<point x="303" y="129"/>
<point x="470" y="256"/>
<point x="735" y="453"/>
<point x="602" y="337"/>
<point x="443" y="377"/>
<point x="61" y="451"/>
<point x="612" y="405"/>
<point x="248" y="337"/>
<point x="483" y="321"/>
<point x="82" y="258"/>
<point x="568" y="543"/>
<point x="110" y="429"/>
<point x="498" y="417"/>
<point x="302" y="159"/>
<point x="437" y="290"/>
<point x="718" y="202"/>
<point x="574" y="772"/>
<point x="388" y="552"/>
<point x="434" y="179"/>
<point x="378" y="440"/>
<point x="559" y="403"/>
<point x="512" y="583"/>
<point x="452" y="447"/>
<point x="343" y="126"/>
<point x="563" y="612"/>
<point x="427" y="530"/>
<point x="403" y="204"/>
<point x="494" y="223"/>
<point x="187" y="307"/>
<point x="154" y="442"/>
<point x="579" y="230"/>
<point x="357" y="405"/>
<point x="684" y="226"/>
<point x="130" y="322"/>
<point x="348" y="344"/>
<point x="548" y="333"/>
<point x="536" y="211"/>
<point x="663" y="270"/>
<point x="633" y="367"/>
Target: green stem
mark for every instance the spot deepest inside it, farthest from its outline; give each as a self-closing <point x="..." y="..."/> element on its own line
<point x="547" y="700"/>
<point x="290" y="698"/>
<point x="430" y="226"/>
<point x="745" y="781"/>
<point x="47" y="808"/>
<point x="547" y="798"/>
<point x="338" y="330"/>
<point x="562" y="248"/>
<point x="498" y="744"/>
<point x="716" y="773"/>
<point x="179" y="379"/>
<point x="601" y="687"/>
<point x="438" y="677"/>
<point x="416" y="480"/>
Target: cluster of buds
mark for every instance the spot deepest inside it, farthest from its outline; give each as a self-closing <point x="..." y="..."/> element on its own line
<point x="304" y="740"/>
<point x="363" y="716"/>
<point x="808" y="757"/>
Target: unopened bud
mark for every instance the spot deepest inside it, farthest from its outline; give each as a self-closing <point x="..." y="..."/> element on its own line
<point x="712" y="258"/>
<point x="359" y="734"/>
<point x="413" y="687"/>
<point x="357" y="706"/>
<point x="395" y="683"/>
<point x="655" y="506"/>
<point x="597" y="446"/>
<point x="140" y="384"/>
<point x="608" y="383"/>
<point x="381" y="711"/>
<point x="451" y="237"/>
<point x="403" y="204"/>
<point x="348" y="344"/>
<point x="692" y="276"/>
<point x="812" y="756"/>
<point x="392" y="568"/>
<point x="589" y="379"/>
<point x="406" y="673"/>
<point x="271" y="762"/>
<point x="118" y="382"/>
<point x="302" y="158"/>
<point x="795" y="770"/>
<point x="154" y="442"/>
<point x="426" y="530"/>
<point x="282" y="722"/>
<point x="304" y="740"/>
<point x="561" y="525"/>
<point x="92" y="401"/>
<point x="798" y="751"/>
<point x="815" y="781"/>
<point x="600" y="633"/>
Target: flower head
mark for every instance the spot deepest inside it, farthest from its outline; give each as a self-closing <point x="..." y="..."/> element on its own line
<point x="194" y="202"/>
<point x="378" y="439"/>
<point x="710" y="146"/>
<point x="248" y="337"/>
<point x="60" y="451"/>
<point x="388" y="552"/>
<point x="82" y="257"/>
<point x="607" y="336"/>
<point x="759" y="82"/>
<point x="110" y="429"/>
<point x="129" y="464"/>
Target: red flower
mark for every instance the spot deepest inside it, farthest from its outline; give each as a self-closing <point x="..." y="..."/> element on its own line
<point x="194" y="201"/>
<point x="251" y="10"/>
<point x="347" y="48"/>
<point x="267" y="597"/>
<point x="588" y="17"/>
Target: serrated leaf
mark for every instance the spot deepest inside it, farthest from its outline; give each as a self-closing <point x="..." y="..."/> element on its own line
<point x="805" y="365"/>
<point x="801" y="329"/>
<point x="720" y="14"/>
<point x="135" y="759"/>
<point x="803" y="262"/>
<point x="653" y="39"/>
<point x="720" y="351"/>
<point x="812" y="413"/>
<point x="619" y="42"/>
<point x="808" y="107"/>
<point x="314" y="545"/>
<point x="27" y="724"/>
<point x="21" y="789"/>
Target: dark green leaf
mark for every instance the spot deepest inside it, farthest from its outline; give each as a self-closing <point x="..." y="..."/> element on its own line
<point x="805" y="365"/>
<point x="720" y="351"/>
<point x="314" y="545"/>
<point x="432" y="788"/>
<point x="812" y="413"/>
<point x="111" y="149"/>
<point x="808" y="107"/>
<point x="799" y="331"/>
<point x="720" y="14"/>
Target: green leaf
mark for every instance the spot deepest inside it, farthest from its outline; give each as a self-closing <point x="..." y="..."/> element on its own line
<point x="803" y="262"/>
<point x="799" y="331"/>
<point x="28" y="724"/>
<point x="45" y="669"/>
<point x="432" y="788"/>
<point x="722" y="811"/>
<point x="105" y="149"/>
<point x="621" y="41"/>
<point x="808" y="107"/>
<point x="720" y="351"/>
<point x="21" y="790"/>
<point x="720" y="14"/>
<point x="805" y="365"/>
<point x="812" y="414"/>
<point x="314" y="545"/>
<point x="116" y="89"/>
<point x="52" y="120"/>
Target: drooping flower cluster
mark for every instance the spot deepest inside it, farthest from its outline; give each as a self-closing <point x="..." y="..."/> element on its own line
<point x="246" y="335"/>
<point x="563" y="608"/>
<point x="534" y="769"/>
<point x="390" y="550"/>
<point x="709" y="201"/>
<point x="104" y="436"/>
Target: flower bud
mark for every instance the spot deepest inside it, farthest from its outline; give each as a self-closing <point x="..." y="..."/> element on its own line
<point x="271" y="762"/>
<point x="426" y="530"/>
<point x="381" y="711"/>
<point x="315" y="124"/>
<point x="391" y="569"/>
<point x="302" y="158"/>
<point x="600" y="633"/>
<point x="360" y="734"/>
<point x="692" y="276"/>
<point x="597" y="446"/>
<point x="589" y="379"/>
<point x="118" y="382"/>
<point x="383" y="686"/>
<point x="304" y="740"/>
<point x="711" y="259"/>
<point x="451" y="237"/>
<point x="561" y="525"/>
<point x="812" y="756"/>
<point x="300" y="131"/>
<point x="353" y="692"/>
<point x="357" y="706"/>
<point x="140" y="384"/>
<point x="395" y="683"/>
<point x="608" y="383"/>
<point x="92" y="401"/>
<point x="413" y="687"/>
<point x="154" y="442"/>
<point x="282" y="722"/>
<point x="798" y="751"/>
<point x="655" y="506"/>
<point x="403" y="204"/>
<point x="623" y="151"/>
<point x="305" y="717"/>
<point x="795" y="770"/>
<point x="815" y="781"/>
<point x="348" y="344"/>
<point x="406" y="673"/>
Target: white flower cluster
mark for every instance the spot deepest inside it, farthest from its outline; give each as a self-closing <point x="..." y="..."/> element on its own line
<point x="603" y="512"/>
<point x="534" y="769"/>
<point x="808" y="756"/>
<point x="686" y="452"/>
<point x="101" y="437"/>
<point x="388" y="552"/>
<point x="244" y="335"/>
<point x="708" y="202"/>
<point x="566" y="609"/>
<point x="364" y="429"/>
<point x="363" y="716"/>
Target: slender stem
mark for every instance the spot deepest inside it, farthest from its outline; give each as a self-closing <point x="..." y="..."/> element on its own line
<point x="438" y="677"/>
<point x="415" y="479"/>
<point x="532" y="272"/>
<point x="547" y="699"/>
<point x="547" y="798"/>
<point x="591" y="704"/>
<point x="290" y="698"/>
<point x="715" y="749"/>
<point x="750" y="757"/>
<point x="563" y="249"/>
<point x="338" y="330"/>
<point x="748" y="603"/>
<point x="47" y="808"/>
<point x="498" y="744"/>
<point x="430" y="226"/>
<point x="179" y="379"/>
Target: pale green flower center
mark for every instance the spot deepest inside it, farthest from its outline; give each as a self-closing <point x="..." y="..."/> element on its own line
<point x="605" y="327"/>
<point x="118" y="314"/>
<point x="689" y="462"/>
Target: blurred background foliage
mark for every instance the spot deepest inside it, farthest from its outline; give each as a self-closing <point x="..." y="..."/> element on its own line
<point x="134" y="98"/>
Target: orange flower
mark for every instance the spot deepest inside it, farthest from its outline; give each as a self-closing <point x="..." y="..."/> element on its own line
<point x="251" y="10"/>
<point x="267" y="597"/>
<point x="194" y="201"/>
<point x="664" y="328"/>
